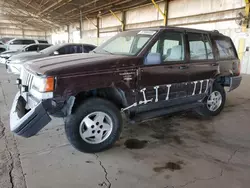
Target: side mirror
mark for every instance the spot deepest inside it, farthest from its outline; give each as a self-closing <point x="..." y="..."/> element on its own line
<point x="56" y="53"/>
<point x="153" y="59"/>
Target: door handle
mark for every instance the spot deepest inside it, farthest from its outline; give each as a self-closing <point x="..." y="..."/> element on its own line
<point x="183" y="67"/>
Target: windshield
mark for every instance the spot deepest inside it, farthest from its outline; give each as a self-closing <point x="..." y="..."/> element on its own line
<point x="126" y="43"/>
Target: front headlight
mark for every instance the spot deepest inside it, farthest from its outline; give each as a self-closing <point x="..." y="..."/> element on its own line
<point x="43" y="84"/>
<point x="15" y="61"/>
<point x="6" y="56"/>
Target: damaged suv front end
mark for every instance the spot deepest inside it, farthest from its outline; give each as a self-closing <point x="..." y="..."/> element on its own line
<point x="31" y="104"/>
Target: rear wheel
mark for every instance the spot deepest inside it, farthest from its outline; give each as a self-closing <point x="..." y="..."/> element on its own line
<point x="94" y="126"/>
<point x="214" y="103"/>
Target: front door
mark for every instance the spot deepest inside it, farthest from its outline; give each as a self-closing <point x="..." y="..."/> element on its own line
<point x="165" y="80"/>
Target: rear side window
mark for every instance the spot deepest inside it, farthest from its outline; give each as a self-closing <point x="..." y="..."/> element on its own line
<point x="200" y="47"/>
<point x="43" y="41"/>
<point x="225" y="49"/>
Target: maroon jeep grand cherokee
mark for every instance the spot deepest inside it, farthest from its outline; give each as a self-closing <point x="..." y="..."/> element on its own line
<point x="143" y="73"/>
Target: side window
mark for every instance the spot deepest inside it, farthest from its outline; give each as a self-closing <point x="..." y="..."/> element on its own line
<point x="43" y="41"/>
<point x="172" y="47"/>
<point x="80" y="49"/>
<point x="87" y="49"/>
<point x="169" y="48"/>
<point x="63" y="50"/>
<point x="225" y="48"/>
<point x="26" y="42"/>
<point x="31" y="48"/>
<point x="41" y="47"/>
<point x="16" y="42"/>
<point x="200" y="47"/>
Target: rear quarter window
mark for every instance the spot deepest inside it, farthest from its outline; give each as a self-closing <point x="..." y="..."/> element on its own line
<point x="225" y="48"/>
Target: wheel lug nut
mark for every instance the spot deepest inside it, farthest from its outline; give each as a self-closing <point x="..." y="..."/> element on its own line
<point x="98" y="131"/>
<point x="101" y="127"/>
<point x="92" y="126"/>
<point x="97" y="123"/>
<point x="93" y="132"/>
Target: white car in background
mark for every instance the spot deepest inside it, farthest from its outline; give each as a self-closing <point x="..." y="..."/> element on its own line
<point x="17" y="44"/>
<point x="15" y="63"/>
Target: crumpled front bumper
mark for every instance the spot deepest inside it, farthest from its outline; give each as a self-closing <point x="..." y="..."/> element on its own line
<point x="31" y="122"/>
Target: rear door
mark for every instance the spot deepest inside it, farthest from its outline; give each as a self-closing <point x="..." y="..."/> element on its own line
<point x="166" y="81"/>
<point x="203" y="65"/>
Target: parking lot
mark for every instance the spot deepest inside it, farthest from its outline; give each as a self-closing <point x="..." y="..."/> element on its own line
<point x="175" y="151"/>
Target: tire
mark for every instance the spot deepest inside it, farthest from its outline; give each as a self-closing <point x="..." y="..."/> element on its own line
<point x="204" y="111"/>
<point x="78" y="121"/>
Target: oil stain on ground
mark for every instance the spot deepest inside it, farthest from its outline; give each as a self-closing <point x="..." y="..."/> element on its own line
<point x="169" y="166"/>
<point x="135" y="143"/>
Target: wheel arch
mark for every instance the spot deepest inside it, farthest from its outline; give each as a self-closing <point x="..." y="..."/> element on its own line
<point x="112" y="94"/>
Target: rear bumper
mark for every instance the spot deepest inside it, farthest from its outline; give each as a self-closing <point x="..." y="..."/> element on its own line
<point x="234" y="82"/>
<point x="31" y="122"/>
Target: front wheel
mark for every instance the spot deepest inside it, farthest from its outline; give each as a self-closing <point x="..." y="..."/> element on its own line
<point x="94" y="126"/>
<point x="214" y="103"/>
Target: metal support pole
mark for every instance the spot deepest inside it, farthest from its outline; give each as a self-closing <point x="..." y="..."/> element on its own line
<point x="98" y="27"/>
<point x="241" y="48"/>
<point x="81" y="25"/>
<point x="123" y="20"/>
<point x="68" y="33"/>
<point x="23" y="33"/>
<point x="122" y="23"/>
<point x="164" y="14"/>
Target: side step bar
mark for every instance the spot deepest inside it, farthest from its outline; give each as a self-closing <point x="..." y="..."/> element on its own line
<point x="165" y="111"/>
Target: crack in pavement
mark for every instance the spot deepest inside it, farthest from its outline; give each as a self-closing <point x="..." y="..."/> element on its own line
<point x="4" y="97"/>
<point x="201" y="179"/>
<point x="11" y="168"/>
<point x="105" y="171"/>
<point x="211" y="178"/>
<point x="12" y="159"/>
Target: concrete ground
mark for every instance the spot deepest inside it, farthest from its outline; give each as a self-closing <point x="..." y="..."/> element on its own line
<point x="176" y="151"/>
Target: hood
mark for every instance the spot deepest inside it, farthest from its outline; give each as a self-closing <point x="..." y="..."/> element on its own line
<point x="79" y="63"/>
<point x="26" y="56"/>
<point x="9" y="53"/>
